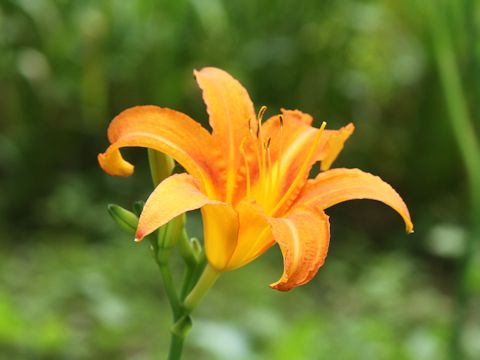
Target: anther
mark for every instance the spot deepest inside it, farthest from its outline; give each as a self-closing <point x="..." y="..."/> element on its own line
<point x="267" y="144"/>
<point x="261" y="112"/>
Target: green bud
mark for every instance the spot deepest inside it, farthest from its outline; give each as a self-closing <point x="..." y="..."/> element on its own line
<point x="196" y="246"/>
<point x="127" y="220"/>
<point x="187" y="251"/>
<point x="161" y="166"/>
<point x="171" y="232"/>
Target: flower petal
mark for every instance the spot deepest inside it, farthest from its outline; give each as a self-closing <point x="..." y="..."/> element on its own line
<point x="294" y="136"/>
<point x="337" y="185"/>
<point x="231" y="114"/>
<point x="254" y="234"/>
<point x="173" y="196"/>
<point x="165" y="130"/>
<point x="295" y="148"/>
<point x="333" y="145"/>
<point x="298" y="115"/>
<point x="220" y="228"/>
<point x="303" y="238"/>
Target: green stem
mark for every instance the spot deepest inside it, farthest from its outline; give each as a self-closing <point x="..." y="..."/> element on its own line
<point x="179" y="331"/>
<point x="187" y="281"/>
<point x="206" y="281"/>
<point x="169" y="285"/>
<point x="176" y="347"/>
<point x="161" y="256"/>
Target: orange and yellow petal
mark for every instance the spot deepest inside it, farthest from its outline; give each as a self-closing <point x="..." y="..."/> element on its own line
<point x="291" y="142"/>
<point x="298" y="115"/>
<point x="289" y="132"/>
<point x="332" y="145"/>
<point x="303" y="238"/>
<point x="231" y="114"/>
<point x="254" y="234"/>
<point x="293" y="136"/>
<point x="337" y="185"/>
<point x="220" y="229"/>
<point x="164" y="130"/>
<point x="295" y="148"/>
<point x="173" y="196"/>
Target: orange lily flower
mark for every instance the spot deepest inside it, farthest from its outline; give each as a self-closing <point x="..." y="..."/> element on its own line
<point x="249" y="179"/>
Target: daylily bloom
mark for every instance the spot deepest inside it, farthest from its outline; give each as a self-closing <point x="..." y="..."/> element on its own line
<point x="249" y="179"/>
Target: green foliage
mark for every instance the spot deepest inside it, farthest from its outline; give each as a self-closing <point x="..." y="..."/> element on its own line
<point x="68" y="290"/>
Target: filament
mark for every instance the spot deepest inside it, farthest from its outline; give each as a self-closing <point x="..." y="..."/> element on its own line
<point x="247" y="168"/>
<point x="268" y="175"/>
<point x="280" y="151"/>
<point x="262" y="164"/>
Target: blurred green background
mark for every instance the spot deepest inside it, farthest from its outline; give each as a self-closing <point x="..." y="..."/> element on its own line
<point x="73" y="286"/>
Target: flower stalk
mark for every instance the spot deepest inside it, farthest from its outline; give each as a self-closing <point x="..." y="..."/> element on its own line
<point x="206" y="281"/>
<point x="163" y="241"/>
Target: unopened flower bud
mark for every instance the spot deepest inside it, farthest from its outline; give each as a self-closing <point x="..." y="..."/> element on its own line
<point x="161" y="166"/>
<point x="127" y="220"/>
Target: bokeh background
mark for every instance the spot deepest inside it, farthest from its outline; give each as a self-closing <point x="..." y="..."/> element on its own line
<point x="73" y="286"/>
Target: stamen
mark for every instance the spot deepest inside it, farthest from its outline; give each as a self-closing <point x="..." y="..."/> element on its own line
<point x="302" y="169"/>
<point x="280" y="150"/>
<point x="262" y="164"/>
<point x="276" y="169"/>
<point x="267" y="144"/>
<point x="268" y="175"/>
<point x="261" y="112"/>
<point x="247" y="168"/>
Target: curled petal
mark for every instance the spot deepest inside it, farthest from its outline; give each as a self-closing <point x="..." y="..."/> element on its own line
<point x="173" y="196"/>
<point x="337" y="185"/>
<point x="114" y="164"/>
<point x="303" y="237"/>
<point x="164" y="130"/>
<point x="231" y="115"/>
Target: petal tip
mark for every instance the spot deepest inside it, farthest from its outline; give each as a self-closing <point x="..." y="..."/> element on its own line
<point x="139" y="236"/>
<point x="113" y="164"/>
<point x="408" y="222"/>
<point x="280" y="286"/>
